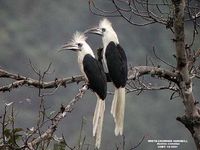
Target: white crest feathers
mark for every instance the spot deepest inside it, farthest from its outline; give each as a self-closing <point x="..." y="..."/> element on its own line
<point x="105" y="23"/>
<point x="79" y="37"/>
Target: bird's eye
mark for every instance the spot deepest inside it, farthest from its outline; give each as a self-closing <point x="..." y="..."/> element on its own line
<point x="103" y="29"/>
<point x="80" y="45"/>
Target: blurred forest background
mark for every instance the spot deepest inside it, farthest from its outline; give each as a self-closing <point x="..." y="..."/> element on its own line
<point x="35" y="30"/>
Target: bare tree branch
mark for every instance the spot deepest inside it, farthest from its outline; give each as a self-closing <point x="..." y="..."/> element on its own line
<point x="55" y="121"/>
<point x="137" y="71"/>
<point x="134" y="72"/>
<point x="22" y="80"/>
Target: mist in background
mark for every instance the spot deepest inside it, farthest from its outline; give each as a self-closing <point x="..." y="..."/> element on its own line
<point x="35" y="30"/>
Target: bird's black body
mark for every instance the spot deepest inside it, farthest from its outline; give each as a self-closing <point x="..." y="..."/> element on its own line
<point x="117" y="64"/>
<point x="93" y="71"/>
<point x="96" y="76"/>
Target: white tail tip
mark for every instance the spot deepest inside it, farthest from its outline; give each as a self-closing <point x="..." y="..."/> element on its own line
<point x="118" y="109"/>
<point x="98" y="122"/>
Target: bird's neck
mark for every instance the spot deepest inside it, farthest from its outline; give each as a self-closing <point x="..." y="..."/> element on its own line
<point x="109" y="38"/>
<point x="86" y="51"/>
<point x="81" y="55"/>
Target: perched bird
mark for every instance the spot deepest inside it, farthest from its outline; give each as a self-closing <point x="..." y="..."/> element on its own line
<point x="95" y="77"/>
<point x="115" y="62"/>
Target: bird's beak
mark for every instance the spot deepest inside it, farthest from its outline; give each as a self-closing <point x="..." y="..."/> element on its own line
<point x="69" y="46"/>
<point x="95" y="30"/>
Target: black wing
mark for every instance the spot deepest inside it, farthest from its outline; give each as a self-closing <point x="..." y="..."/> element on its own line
<point x="100" y="55"/>
<point x="96" y="76"/>
<point x="117" y="64"/>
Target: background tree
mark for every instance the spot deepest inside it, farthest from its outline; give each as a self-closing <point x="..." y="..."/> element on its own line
<point x="29" y="31"/>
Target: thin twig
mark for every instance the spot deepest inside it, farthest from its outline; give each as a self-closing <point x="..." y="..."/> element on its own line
<point x="58" y="117"/>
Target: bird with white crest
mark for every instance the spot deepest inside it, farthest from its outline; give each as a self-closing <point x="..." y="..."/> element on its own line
<point x="115" y="61"/>
<point x="95" y="78"/>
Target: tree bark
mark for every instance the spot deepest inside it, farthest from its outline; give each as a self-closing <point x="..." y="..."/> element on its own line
<point x="191" y="119"/>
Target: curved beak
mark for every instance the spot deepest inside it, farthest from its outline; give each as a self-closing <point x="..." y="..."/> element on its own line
<point x="95" y="30"/>
<point x="69" y="46"/>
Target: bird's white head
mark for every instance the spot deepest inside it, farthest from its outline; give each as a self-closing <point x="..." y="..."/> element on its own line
<point x="79" y="44"/>
<point x="106" y="30"/>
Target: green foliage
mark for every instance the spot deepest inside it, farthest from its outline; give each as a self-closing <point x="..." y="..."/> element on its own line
<point x="13" y="135"/>
<point x="59" y="146"/>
